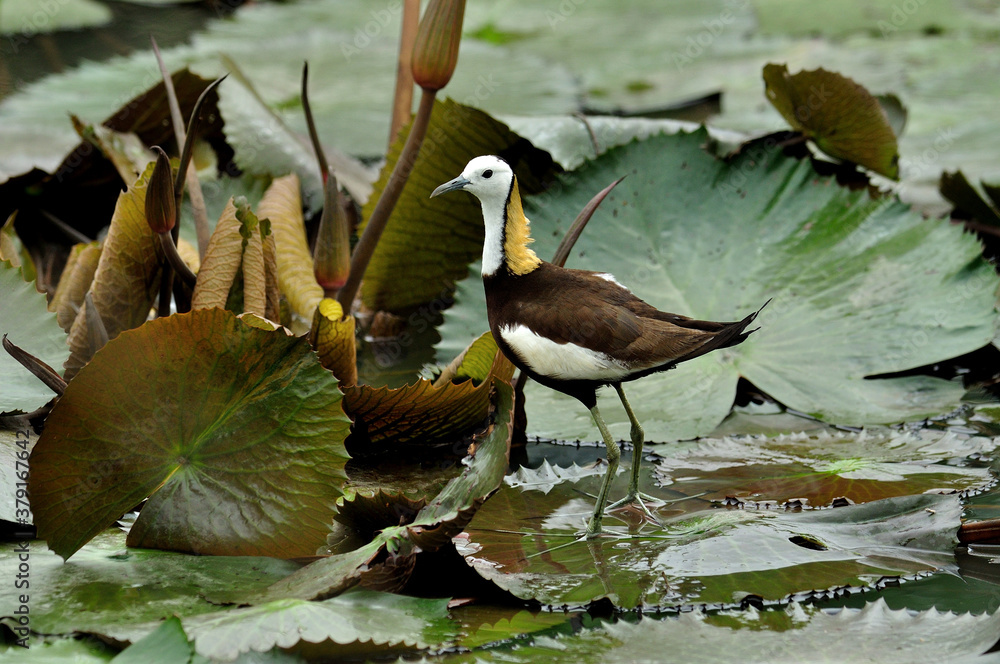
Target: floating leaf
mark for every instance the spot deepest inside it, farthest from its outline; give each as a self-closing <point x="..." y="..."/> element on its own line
<point x="859" y="287"/>
<point x="283" y="206"/>
<point x="234" y="433"/>
<point x="530" y="544"/>
<point x="168" y="643"/>
<point x="840" y="116"/>
<point x="377" y="623"/>
<point x="798" y="633"/>
<point x="127" y="279"/>
<point x="24" y="19"/>
<point x="816" y="468"/>
<point x="28" y="323"/>
<point x="386" y="418"/>
<point x="332" y="337"/>
<point x="120" y="593"/>
<point x="435" y="239"/>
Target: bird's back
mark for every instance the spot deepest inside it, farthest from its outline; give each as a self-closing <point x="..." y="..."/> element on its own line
<point x="579" y="311"/>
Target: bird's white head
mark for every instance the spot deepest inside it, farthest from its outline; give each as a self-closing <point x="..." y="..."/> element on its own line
<point x="488" y="178"/>
<point x="492" y="181"/>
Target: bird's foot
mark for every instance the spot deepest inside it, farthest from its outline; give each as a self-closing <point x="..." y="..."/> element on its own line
<point x="639" y="499"/>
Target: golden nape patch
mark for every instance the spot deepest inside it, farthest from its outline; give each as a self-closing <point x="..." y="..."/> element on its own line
<point x="517" y="236"/>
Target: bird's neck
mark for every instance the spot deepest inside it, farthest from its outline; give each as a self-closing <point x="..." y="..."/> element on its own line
<point x="507" y="236"/>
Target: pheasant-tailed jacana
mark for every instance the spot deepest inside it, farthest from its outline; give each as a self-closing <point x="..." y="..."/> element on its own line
<point x="575" y="330"/>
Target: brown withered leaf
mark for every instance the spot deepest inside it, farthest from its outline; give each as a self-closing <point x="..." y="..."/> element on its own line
<point x="222" y="262"/>
<point x="127" y="278"/>
<point x="282" y="204"/>
<point x="332" y="337"/>
<point x="273" y="309"/>
<point x="843" y="118"/>
<point x="388" y="418"/>
<point x="254" y="273"/>
<point x="74" y="283"/>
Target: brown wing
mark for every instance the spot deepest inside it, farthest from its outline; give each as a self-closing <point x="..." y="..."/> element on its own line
<point x="580" y="307"/>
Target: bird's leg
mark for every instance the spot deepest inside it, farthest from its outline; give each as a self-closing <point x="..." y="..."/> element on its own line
<point x="594" y="526"/>
<point x="638" y="437"/>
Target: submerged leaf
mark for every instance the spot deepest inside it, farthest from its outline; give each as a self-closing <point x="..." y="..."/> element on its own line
<point x="127" y="279"/>
<point x="31" y="326"/>
<point x="530" y="544"/>
<point x="798" y="633"/>
<point x="234" y="433"/>
<point x="843" y="118"/>
<point x="814" y="469"/>
<point x="859" y="287"/>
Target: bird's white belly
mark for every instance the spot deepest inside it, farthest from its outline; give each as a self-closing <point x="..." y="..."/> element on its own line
<point x="562" y="361"/>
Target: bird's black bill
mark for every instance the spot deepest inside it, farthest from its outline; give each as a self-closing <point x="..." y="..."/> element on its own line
<point x="451" y="185"/>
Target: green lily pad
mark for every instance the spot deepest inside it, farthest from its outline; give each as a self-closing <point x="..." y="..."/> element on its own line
<point x="168" y="643"/>
<point x="796" y="634"/>
<point x="368" y="622"/>
<point x="858" y="287"/>
<point x="234" y="433"/>
<point x="814" y="469"/>
<point x="23" y="19"/>
<point x="529" y="544"/>
<point x="29" y="324"/>
<point x="119" y="593"/>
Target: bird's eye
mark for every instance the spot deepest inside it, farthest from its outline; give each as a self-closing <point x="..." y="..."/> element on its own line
<point x="488" y="173"/>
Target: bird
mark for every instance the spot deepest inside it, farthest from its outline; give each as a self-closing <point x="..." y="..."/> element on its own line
<point x="576" y="330"/>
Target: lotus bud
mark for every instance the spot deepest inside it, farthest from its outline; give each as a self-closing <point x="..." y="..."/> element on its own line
<point x="332" y="254"/>
<point x="435" y="52"/>
<point x="161" y="211"/>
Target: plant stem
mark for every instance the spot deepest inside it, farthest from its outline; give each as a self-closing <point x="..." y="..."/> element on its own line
<point x="365" y="248"/>
<point x="402" y="105"/>
<point x="175" y="260"/>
